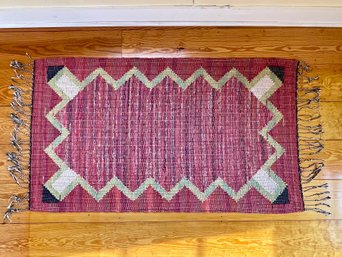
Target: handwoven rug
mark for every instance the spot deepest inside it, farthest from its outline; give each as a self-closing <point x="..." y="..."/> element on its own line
<point x="166" y="135"/>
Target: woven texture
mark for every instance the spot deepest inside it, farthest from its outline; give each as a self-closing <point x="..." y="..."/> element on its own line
<point x="165" y="135"/>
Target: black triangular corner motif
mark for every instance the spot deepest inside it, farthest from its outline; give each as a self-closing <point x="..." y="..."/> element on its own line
<point x="278" y="71"/>
<point x="283" y="198"/>
<point x="52" y="71"/>
<point x="47" y="197"/>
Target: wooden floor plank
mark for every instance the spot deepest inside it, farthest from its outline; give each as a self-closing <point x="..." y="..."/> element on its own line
<point x="331" y="85"/>
<point x="200" y="239"/>
<point x="100" y="42"/>
<point x="315" y="46"/>
<point x="332" y="156"/>
<point x="332" y="120"/>
<point x="6" y="126"/>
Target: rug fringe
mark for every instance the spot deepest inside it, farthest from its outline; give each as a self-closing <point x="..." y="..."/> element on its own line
<point x="310" y="141"/>
<point x="19" y="158"/>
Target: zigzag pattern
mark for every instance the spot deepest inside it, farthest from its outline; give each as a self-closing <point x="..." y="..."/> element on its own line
<point x="168" y="195"/>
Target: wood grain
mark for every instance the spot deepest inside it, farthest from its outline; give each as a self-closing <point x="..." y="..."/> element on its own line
<point x="317" y="47"/>
<point x="273" y="238"/>
<point x="332" y="156"/>
<point x="99" y="42"/>
<point x="332" y="120"/>
<point x="6" y="125"/>
<point x="331" y="86"/>
<point x="178" y="234"/>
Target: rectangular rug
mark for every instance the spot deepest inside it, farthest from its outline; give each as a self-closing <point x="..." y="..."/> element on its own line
<point x="166" y="135"/>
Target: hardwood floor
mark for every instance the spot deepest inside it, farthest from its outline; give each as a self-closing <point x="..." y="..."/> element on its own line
<point x="199" y="235"/>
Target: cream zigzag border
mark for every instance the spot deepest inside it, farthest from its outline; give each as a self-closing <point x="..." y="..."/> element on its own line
<point x="168" y="195"/>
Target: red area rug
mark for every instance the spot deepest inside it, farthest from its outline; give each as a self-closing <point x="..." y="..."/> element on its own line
<point x="165" y="135"/>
